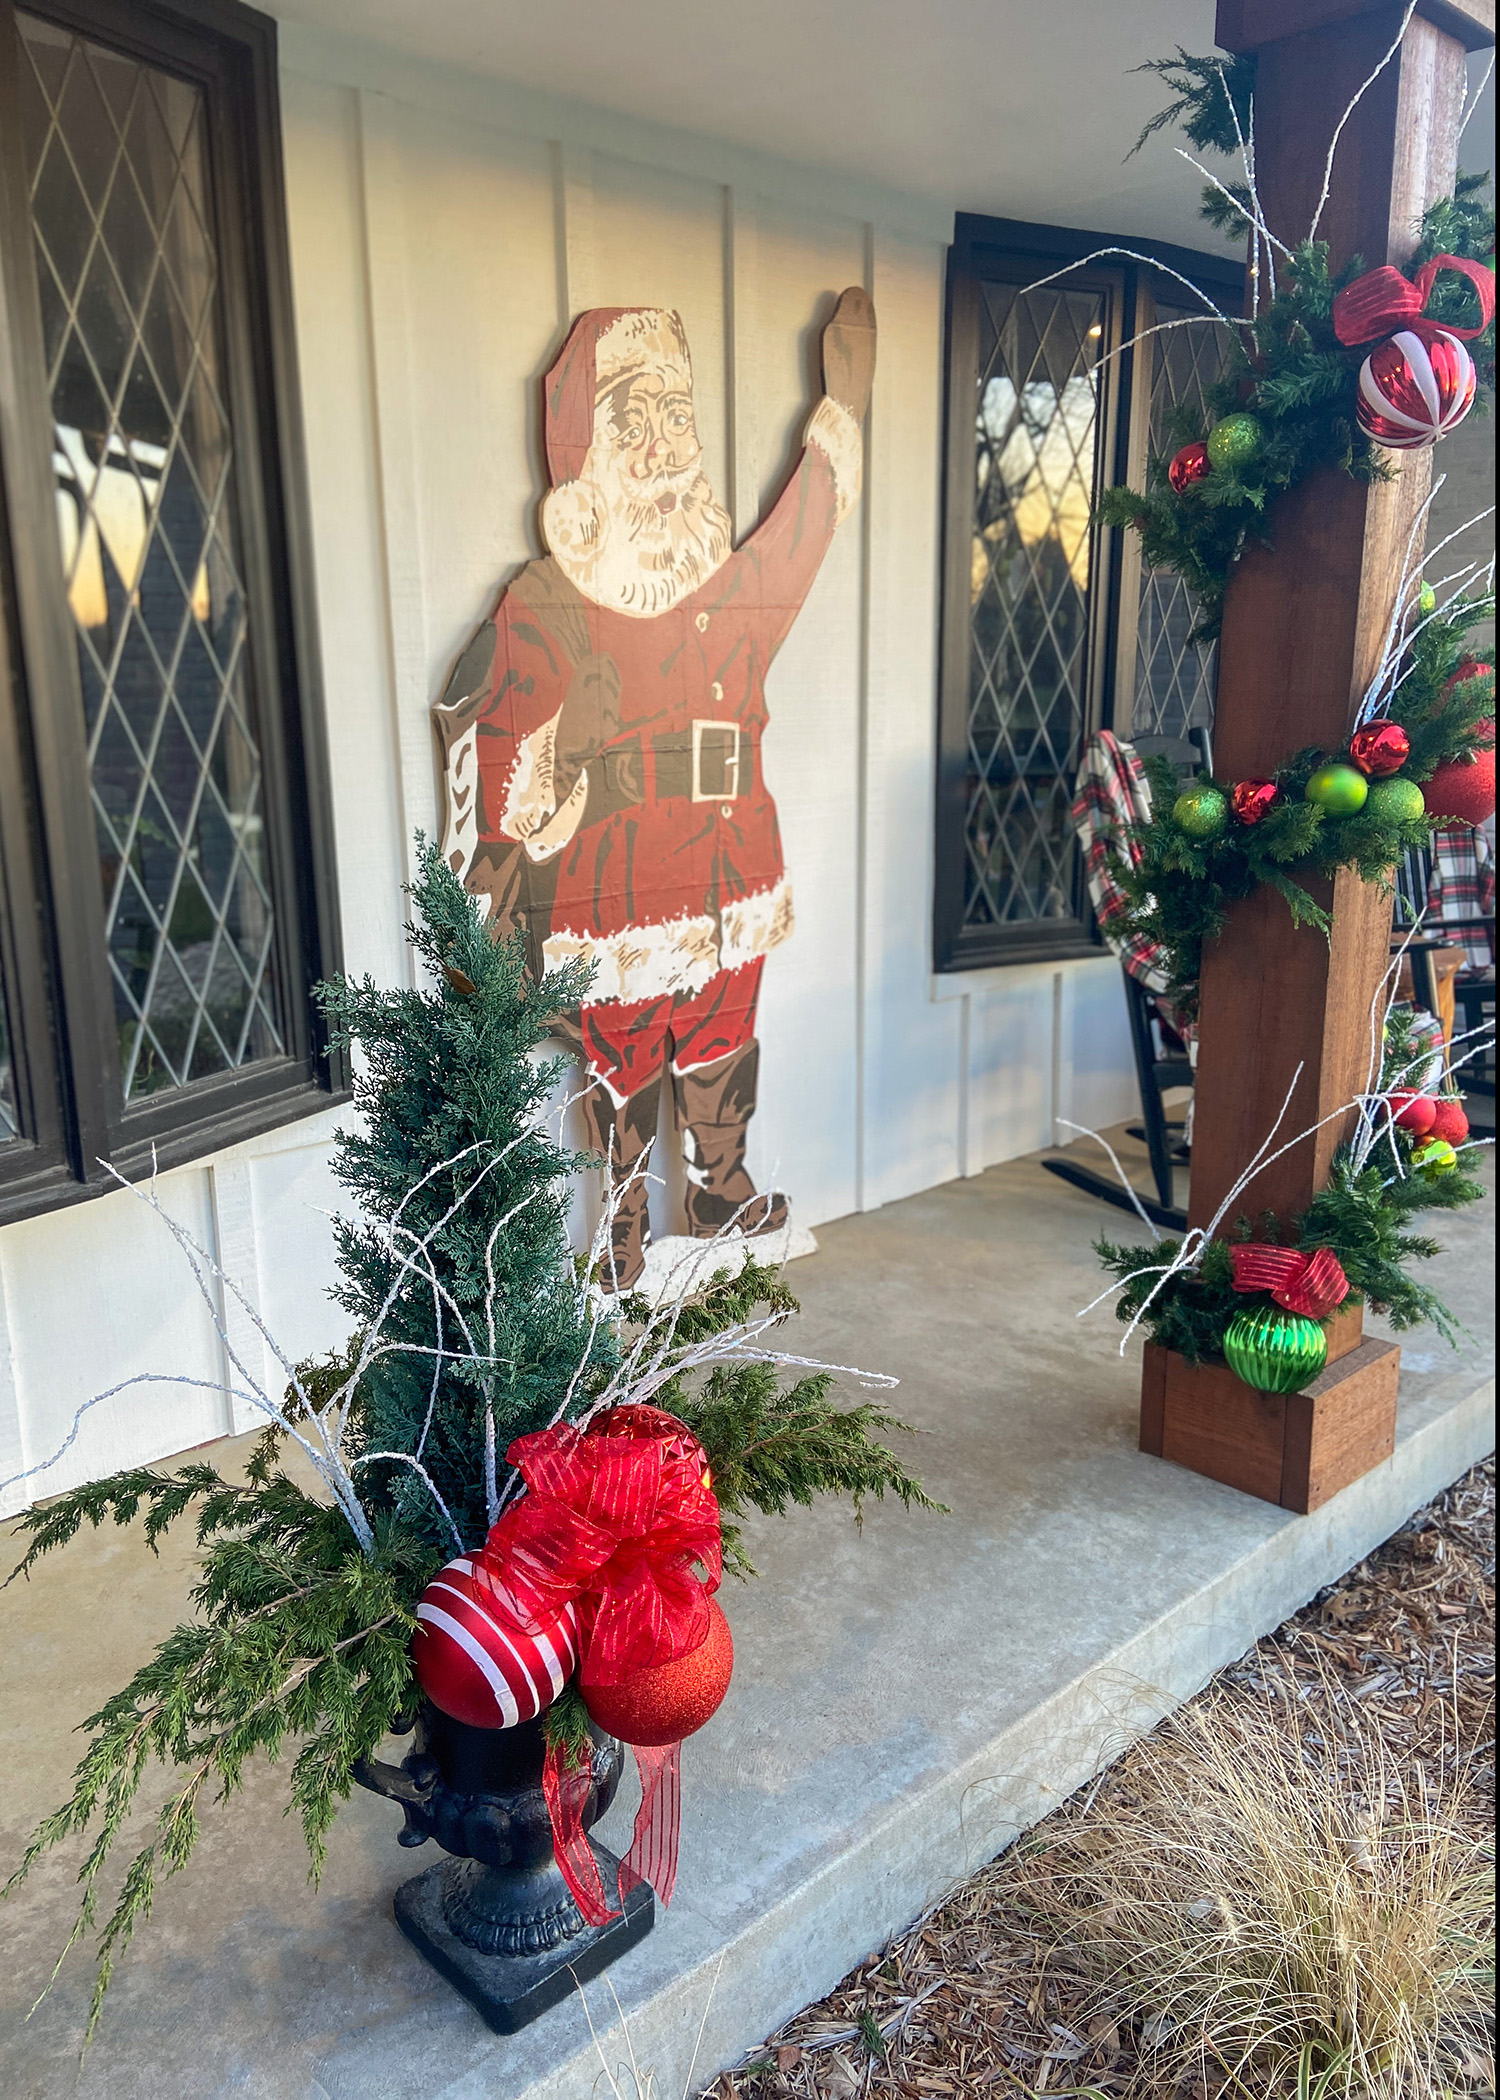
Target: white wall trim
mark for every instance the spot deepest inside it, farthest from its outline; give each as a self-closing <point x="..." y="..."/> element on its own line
<point x="483" y="98"/>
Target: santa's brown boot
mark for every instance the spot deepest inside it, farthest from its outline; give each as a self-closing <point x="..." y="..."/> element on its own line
<point x="623" y="1135"/>
<point x="714" y="1105"/>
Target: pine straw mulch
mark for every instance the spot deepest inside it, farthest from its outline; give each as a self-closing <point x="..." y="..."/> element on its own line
<point x="975" y="1999"/>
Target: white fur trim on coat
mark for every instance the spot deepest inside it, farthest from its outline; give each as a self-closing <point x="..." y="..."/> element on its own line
<point x="837" y="436"/>
<point x="754" y="925"/>
<point x="641" y="962"/>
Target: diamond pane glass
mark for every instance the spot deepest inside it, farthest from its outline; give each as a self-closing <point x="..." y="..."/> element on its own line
<point x="1036" y="417"/>
<point x="143" y="459"/>
<point x="1175" y="678"/>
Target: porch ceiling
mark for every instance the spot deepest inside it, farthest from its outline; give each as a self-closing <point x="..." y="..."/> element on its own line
<point x="996" y="106"/>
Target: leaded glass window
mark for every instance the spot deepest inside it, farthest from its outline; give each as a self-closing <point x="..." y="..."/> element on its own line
<point x="1051" y="631"/>
<point x="1174" y="677"/>
<point x="144" y="460"/>
<point x="1035" y="442"/>
<point x="167" y="890"/>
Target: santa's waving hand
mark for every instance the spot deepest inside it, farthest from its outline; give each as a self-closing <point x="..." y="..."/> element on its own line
<point x="602" y="744"/>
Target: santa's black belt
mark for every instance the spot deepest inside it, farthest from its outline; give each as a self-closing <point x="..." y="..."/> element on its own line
<point x="710" y="762"/>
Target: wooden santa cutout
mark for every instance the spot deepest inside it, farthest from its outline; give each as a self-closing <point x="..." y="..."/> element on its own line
<point x="602" y="739"/>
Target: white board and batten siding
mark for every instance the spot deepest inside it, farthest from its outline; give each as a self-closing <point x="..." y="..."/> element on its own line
<point x="444" y="233"/>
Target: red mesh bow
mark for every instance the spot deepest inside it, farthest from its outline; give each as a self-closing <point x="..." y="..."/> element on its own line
<point x="622" y="1523"/>
<point x="621" y="1517"/>
<point x="1311" y="1284"/>
<point x="1384" y="301"/>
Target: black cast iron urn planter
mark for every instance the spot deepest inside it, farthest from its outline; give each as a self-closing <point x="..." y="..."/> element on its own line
<point x="497" y="1920"/>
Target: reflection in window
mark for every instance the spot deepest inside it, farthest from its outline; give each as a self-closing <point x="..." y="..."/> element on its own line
<point x="1175" y="679"/>
<point x="10" y="1127"/>
<point x="1035" y="431"/>
<point x="144" y="465"/>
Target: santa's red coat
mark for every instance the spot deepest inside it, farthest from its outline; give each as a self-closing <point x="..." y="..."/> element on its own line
<point x="675" y="869"/>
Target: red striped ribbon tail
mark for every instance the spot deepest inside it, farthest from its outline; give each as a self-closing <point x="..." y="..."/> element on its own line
<point x="658" y="1821"/>
<point x="567" y="1789"/>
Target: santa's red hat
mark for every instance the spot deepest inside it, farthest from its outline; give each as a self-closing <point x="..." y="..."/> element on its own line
<point x="571" y="386"/>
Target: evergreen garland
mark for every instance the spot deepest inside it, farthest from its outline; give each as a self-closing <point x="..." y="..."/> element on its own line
<point x="1286" y="367"/>
<point x="1181" y="891"/>
<point x="302" y="1634"/>
<point x="1364" y="1215"/>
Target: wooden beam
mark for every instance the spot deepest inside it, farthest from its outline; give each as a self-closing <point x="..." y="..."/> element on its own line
<point x="1244" y="25"/>
<point x="1305" y="619"/>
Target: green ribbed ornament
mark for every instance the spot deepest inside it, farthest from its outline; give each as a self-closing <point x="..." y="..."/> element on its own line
<point x="1275" y="1351"/>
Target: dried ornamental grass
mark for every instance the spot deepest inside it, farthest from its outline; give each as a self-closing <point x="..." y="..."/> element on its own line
<point x="1296" y="1918"/>
<point x="981" y="1996"/>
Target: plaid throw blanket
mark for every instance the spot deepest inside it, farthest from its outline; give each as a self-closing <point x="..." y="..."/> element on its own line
<point x="1112" y="795"/>
<point x="1462" y="896"/>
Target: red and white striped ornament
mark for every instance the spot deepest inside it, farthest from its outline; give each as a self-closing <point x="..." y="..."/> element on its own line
<point x="1415" y="388"/>
<point x="472" y="1659"/>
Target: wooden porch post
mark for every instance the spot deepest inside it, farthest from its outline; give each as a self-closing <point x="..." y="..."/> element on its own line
<point x="1304" y="620"/>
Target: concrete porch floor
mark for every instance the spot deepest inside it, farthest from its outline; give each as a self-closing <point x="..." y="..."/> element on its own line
<point x="906" y="1698"/>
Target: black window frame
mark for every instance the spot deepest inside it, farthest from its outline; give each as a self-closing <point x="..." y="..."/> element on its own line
<point x="1012" y="251"/>
<point x="51" y="912"/>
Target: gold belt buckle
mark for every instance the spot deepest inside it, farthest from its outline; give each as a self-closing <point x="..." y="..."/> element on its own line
<point x="720" y="760"/>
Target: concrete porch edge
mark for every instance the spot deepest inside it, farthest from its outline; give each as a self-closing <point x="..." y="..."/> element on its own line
<point x="805" y="1943"/>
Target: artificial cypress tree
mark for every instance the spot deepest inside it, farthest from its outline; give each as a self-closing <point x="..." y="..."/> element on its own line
<point x="474" y="1326"/>
<point x="461" y="1242"/>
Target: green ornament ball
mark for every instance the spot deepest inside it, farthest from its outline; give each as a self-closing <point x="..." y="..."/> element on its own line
<point x="1437" y="1157"/>
<point x="1275" y="1351"/>
<point x="1235" y="441"/>
<point x="1339" y="789"/>
<point x="1202" y="812"/>
<point x="1395" y="802"/>
<point x="1426" y="601"/>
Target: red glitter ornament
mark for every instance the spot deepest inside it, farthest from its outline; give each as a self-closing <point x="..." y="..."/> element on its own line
<point x="662" y="1705"/>
<point x="1462" y="790"/>
<point x="1250" y="799"/>
<point x="1450" y="1123"/>
<point x="1380" y="749"/>
<point x="1191" y="464"/>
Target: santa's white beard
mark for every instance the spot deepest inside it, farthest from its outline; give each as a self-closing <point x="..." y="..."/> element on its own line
<point x="620" y="550"/>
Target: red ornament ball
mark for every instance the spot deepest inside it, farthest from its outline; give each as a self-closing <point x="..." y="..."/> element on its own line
<point x="1414" y="389"/>
<point x="1380" y="749"/>
<point x="1415" y="1113"/>
<point x="1450" y="1123"/>
<point x="1471" y="667"/>
<point x="673" y="1700"/>
<point x="1462" y="790"/>
<point x="1191" y="464"/>
<point x="475" y="1663"/>
<point x="1250" y="799"/>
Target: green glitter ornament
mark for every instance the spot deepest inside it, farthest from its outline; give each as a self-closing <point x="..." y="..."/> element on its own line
<point x="1426" y="600"/>
<point x="1339" y="789"/>
<point x="1202" y="812"/>
<point x="1395" y="802"/>
<point x="1235" y="442"/>
<point x="1275" y="1351"/>
<point x="1435" y="1158"/>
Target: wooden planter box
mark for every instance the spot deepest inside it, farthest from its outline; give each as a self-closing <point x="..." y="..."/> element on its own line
<point x="1296" y="1449"/>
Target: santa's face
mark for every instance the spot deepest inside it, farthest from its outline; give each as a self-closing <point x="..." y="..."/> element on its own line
<point x="640" y="528"/>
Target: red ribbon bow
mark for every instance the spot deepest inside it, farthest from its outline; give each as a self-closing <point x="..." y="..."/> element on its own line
<point x="1311" y="1284"/>
<point x="1384" y="301"/>
<point x="623" y="1523"/>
